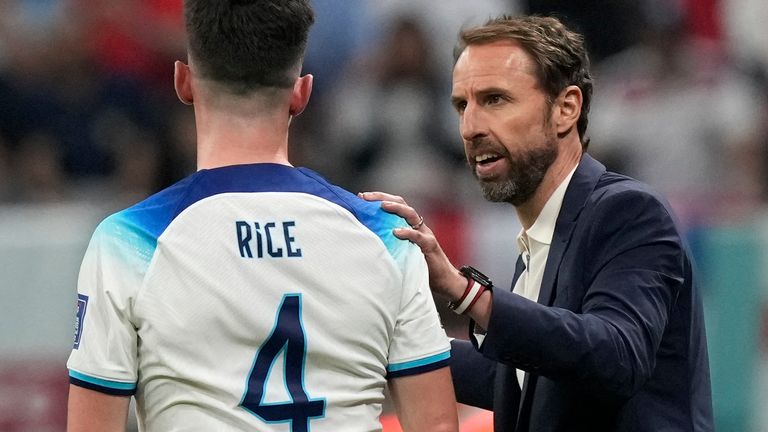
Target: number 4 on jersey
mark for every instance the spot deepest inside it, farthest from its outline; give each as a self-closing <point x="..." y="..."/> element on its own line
<point x="287" y="336"/>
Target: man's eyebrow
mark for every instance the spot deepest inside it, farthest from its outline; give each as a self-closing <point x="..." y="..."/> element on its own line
<point x="481" y="93"/>
<point x="491" y="90"/>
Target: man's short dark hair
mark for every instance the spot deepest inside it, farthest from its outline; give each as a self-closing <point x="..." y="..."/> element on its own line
<point x="248" y="44"/>
<point x="558" y="53"/>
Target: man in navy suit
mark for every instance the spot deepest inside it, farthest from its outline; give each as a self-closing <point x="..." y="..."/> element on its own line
<point x="603" y="329"/>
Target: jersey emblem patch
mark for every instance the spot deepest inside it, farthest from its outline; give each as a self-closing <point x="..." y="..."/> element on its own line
<point x="82" y="306"/>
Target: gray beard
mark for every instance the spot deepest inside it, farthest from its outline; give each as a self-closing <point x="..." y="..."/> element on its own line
<point x="526" y="173"/>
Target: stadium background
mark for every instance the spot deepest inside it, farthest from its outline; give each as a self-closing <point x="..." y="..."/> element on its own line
<point x="89" y="124"/>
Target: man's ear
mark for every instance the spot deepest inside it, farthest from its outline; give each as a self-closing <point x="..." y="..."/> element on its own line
<point x="302" y="89"/>
<point x="182" y="81"/>
<point x="567" y="109"/>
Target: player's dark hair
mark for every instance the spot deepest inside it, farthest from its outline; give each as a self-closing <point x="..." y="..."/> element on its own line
<point x="559" y="55"/>
<point x="248" y="44"/>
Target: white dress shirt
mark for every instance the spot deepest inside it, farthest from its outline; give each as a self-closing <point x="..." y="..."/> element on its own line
<point x="534" y="247"/>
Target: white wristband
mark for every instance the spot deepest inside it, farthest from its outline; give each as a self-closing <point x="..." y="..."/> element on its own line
<point x="469" y="298"/>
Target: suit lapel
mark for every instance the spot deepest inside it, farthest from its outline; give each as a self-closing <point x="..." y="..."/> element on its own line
<point x="582" y="184"/>
<point x="519" y="268"/>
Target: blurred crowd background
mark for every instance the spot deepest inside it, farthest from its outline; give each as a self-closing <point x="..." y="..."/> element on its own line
<point x="89" y="123"/>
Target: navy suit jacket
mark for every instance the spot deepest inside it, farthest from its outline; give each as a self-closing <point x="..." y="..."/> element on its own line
<point x="616" y="340"/>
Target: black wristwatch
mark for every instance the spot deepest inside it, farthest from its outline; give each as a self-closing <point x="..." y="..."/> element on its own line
<point x="477" y="284"/>
<point x="475" y="274"/>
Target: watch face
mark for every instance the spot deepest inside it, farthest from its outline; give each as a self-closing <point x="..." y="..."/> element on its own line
<point x="473" y="273"/>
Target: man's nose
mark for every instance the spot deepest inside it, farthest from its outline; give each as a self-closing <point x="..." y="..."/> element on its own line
<point x="472" y="125"/>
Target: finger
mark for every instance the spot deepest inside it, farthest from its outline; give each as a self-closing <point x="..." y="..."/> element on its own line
<point x="397" y="205"/>
<point x="405" y="211"/>
<point x="418" y="224"/>
<point x="424" y="240"/>
<point x="411" y="235"/>
<point x="381" y="196"/>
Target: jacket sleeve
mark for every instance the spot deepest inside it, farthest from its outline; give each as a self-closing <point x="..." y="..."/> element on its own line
<point x="473" y="375"/>
<point x="633" y="266"/>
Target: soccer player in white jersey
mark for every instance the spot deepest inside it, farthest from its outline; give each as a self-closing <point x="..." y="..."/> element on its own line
<point x="252" y="295"/>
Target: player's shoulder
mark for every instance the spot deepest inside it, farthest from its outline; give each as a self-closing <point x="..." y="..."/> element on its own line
<point x="369" y="213"/>
<point x="139" y="226"/>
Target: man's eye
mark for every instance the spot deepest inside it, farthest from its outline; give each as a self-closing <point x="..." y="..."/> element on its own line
<point x="494" y="99"/>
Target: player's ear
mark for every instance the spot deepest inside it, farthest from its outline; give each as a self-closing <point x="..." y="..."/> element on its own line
<point x="567" y="109"/>
<point x="182" y="81"/>
<point x="302" y="89"/>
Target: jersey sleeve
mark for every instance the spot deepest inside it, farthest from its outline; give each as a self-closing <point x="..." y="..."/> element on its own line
<point x="104" y="355"/>
<point x="419" y="343"/>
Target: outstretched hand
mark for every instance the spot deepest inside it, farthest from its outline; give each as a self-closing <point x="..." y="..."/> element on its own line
<point x="444" y="278"/>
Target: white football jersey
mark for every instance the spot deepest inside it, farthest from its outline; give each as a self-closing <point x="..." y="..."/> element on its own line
<point x="253" y="297"/>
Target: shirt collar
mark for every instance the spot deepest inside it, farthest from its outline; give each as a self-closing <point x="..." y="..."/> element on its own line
<point x="543" y="228"/>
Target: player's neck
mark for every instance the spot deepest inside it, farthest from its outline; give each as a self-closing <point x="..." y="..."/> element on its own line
<point x="231" y="140"/>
